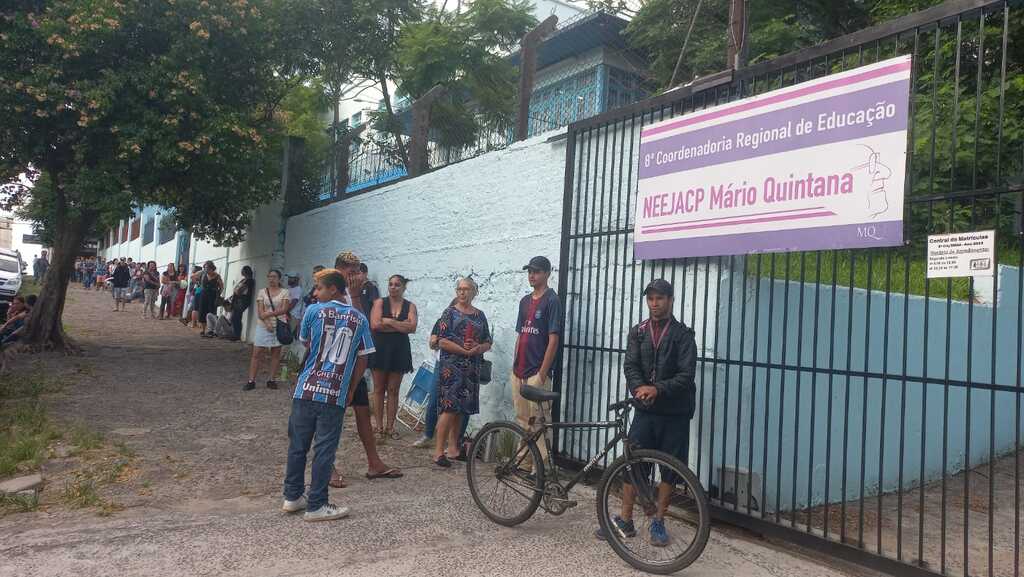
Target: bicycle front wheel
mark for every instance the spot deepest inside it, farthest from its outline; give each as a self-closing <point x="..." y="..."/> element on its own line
<point x="505" y="473"/>
<point x="669" y="517"/>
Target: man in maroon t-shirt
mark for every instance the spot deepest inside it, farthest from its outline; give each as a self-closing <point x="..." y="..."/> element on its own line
<point x="539" y="324"/>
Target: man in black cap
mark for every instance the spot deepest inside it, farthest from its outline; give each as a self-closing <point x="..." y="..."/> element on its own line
<point x="660" y="365"/>
<point x="539" y="324"/>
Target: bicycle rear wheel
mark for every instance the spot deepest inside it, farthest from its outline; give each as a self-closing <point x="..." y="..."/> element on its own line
<point x="505" y="473"/>
<point x="686" y="520"/>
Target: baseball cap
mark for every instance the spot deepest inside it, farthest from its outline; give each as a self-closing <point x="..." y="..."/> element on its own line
<point x="540" y="263"/>
<point x="291" y="274"/>
<point x="659" y="286"/>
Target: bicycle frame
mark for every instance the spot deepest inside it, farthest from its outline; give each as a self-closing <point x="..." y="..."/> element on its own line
<point x="619" y="424"/>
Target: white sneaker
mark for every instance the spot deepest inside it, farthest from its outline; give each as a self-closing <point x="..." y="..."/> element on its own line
<point x="294" y="506"/>
<point x="423" y="441"/>
<point x="328" y="512"/>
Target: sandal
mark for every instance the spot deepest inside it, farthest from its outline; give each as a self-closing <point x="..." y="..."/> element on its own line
<point x="443" y="462"/>
<point x="389" y="473"/>
<point x="337" y="482"/>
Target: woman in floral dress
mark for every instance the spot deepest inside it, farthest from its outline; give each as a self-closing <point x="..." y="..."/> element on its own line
<point x="464" y="337"/>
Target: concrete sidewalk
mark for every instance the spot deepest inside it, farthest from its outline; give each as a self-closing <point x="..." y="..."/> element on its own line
<point x="422" y="525"/>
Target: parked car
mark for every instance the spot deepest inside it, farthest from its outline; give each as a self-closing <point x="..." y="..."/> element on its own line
<point x="10" y="275"/>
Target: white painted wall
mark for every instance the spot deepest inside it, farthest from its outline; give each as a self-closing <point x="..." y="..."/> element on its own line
<point x="486" y="217"/>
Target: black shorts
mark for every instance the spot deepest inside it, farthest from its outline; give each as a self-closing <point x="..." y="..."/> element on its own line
<point x="361" y="398"/>
<point x="666" y="433"/>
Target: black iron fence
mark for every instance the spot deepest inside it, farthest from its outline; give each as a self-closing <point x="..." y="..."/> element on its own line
<point x="845" y="400"/>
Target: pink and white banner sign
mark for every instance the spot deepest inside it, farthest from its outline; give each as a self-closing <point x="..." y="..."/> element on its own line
<point x="819" y="165"/>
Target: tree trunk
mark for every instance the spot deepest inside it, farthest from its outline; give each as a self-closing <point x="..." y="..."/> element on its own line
<point x="335" y="125"/>
<point x="393" y="121"/>
<point x="45" y="330"/>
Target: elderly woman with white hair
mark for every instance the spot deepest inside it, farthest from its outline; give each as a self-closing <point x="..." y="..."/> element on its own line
<point x="463" y="337"/>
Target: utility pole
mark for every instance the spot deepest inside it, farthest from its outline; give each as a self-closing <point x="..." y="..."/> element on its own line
<point x="737" y="52"/>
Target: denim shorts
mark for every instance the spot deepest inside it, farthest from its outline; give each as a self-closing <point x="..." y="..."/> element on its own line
<point x="666" y="433"/>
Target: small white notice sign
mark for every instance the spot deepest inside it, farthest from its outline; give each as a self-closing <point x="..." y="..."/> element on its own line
<point x="962" y="254"/>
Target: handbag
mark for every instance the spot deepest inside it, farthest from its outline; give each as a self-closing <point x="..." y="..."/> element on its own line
<point x="485" y="371"/>
<point x="281" y="328"/>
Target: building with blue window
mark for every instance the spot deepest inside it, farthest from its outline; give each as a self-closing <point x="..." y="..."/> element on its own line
<point x="583" y="69"/>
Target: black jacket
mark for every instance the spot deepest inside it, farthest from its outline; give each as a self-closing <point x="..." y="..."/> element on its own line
<point x="673" y="364"/>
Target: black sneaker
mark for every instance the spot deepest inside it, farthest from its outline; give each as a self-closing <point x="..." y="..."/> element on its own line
<point x="249" y="386"/>
<point x="272" y="385"/>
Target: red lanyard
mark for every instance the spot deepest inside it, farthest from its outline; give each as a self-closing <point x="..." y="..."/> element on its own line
<point x="656" y="339"/>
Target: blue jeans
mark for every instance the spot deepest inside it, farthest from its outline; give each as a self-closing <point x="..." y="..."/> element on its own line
<point x="311" y="418"/>
<point x="431" y="424"/>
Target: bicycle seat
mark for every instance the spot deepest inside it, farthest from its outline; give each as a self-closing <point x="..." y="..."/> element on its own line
<point x="537" y="395"/>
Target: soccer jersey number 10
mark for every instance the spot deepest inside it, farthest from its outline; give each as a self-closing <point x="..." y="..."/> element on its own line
<point x="336" y="345"/>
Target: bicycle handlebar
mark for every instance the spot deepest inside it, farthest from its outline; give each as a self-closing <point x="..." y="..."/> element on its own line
<point x="630" y="402"/>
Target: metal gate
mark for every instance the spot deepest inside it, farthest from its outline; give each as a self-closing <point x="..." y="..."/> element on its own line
<point x="845" y="401"/>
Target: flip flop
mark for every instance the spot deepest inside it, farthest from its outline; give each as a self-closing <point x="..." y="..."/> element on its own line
<point x="391" y="473"/>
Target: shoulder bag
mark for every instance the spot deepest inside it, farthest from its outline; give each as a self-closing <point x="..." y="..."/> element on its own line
<point x="281" y="328"/>
<point x="485" y="371"/>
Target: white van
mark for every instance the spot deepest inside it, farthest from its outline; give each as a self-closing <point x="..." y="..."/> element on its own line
<point x="10" y="275"/>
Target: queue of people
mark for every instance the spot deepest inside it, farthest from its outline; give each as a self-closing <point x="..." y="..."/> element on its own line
<point x="342" y="342"/>
<point x="354" y="336"/>
<point x="196" y="297"/>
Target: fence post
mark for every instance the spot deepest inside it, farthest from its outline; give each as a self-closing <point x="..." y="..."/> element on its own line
<point x="421" y="130"/>
<point x="528" y="70"/>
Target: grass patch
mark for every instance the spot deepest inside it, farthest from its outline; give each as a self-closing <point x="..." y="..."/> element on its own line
<point x="81" y="493"/>
<point x="84" y="438"/>
<point x="18" y="503"/>
<point x="29" y="286"/>
<point x="124" y="450"/>
<point x="25" y="435"/>
<point x="27" y="385"/>
<point x="839" y="265"/>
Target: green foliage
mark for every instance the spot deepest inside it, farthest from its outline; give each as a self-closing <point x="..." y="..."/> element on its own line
<point x="25" y="429"/>
<point x="84" y="438"/>
<point x="18" y="503"/>
<point x="179" y="116"/>
<point x="465" y="53"/>
<point x="658" y="28"/>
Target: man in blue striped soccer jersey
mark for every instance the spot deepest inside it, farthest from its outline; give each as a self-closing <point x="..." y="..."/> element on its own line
<point x="338" y="337"/>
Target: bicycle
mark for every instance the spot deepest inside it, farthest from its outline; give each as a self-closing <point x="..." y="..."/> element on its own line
<point x="506" y="453"/>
